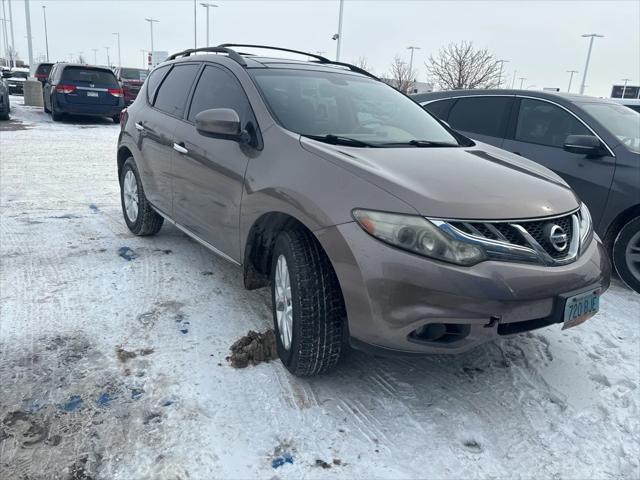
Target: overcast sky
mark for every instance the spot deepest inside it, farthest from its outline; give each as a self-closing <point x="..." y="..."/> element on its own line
<point x="541" y="39"/>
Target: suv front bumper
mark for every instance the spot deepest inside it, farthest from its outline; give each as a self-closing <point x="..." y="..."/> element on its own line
<point x="390" y="293"/>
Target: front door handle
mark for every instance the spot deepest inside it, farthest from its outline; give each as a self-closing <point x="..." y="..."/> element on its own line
<point x="179" y="147"/>
<point x="139" y="126"/>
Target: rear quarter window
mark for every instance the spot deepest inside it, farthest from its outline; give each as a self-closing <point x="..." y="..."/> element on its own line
<point x="154" y="80"/>
<point x="89" y="75"/>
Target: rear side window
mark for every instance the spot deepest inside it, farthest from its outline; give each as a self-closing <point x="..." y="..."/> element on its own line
<point x="440" y="108"/>
<point x="173" y="92"/>
<point x="154" y="81"/>
<point x="43" y="70"/>
<point x="89" y="76"/>
<point x="219" y="89"/>
<point x="546" y="124"/>
<point x="481" y="115"/>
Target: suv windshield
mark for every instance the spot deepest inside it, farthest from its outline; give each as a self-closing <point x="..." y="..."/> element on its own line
<point x="133" y="74"/>
<point x="621" y="121"/>
<point x="44" y="69"/>
<point x="347" y="108"/>
<point x="89" y="75"/>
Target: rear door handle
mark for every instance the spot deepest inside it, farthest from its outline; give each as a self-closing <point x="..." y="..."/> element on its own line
<point x="179" y="147"/>
<point x="139" y="126"/>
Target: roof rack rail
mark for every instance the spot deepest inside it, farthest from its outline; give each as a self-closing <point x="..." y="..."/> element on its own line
<point x="319" y="58"/>
<point x="221" y="49"/>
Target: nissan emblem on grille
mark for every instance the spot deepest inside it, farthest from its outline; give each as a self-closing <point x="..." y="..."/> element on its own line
<point x="557" y="238"/>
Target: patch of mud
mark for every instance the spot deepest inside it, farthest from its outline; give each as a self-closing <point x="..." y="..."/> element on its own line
<point x="253" y="348"/>
<point x="14" y="126"/>
<point x="125" y="355"/>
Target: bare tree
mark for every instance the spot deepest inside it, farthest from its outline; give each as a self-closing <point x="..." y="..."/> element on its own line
<point x="461" y="66"/>
<point x="363" y="63"/>
<point x="400" y="76"/>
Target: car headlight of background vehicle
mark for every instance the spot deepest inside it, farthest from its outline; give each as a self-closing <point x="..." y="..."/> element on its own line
<point x="418" y="235"/>
<point x="586" y="227"/>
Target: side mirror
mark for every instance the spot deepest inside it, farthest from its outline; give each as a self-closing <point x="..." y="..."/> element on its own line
<point x="583" y="144"/>
<point x="221" y="123"/>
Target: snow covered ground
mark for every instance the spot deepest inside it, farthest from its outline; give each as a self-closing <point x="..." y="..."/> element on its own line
<point x="115" y="369"/>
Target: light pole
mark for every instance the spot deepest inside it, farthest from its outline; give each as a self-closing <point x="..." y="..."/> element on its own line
<point x="624" y="88"/>
<point x="5" y="36"/>
<point x="144" y="59"/>
<point x="95" y="56"/>
<point x="27" y="15"/>
<point x="117" y="34"/>
<point x="13" y="41"/>
<point x="108" y="61"/>
<point x="522" y="79"/>
<point x="591" y="36"/>
<point x="570" y="79"/>
<point x="208" y="6"/>
<point x="338" y="36"/>
<point x="513" y="80"/>
<point x="46" y="35"/>
<point x="195" y="24"/>
<point x="151" y="20"/>
<point x="411" y="58"/>
<point x="502" y="62"/>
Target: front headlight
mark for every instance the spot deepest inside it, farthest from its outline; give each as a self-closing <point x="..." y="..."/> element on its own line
<point x="418" y="235"/>
<point x="586" y="227"/>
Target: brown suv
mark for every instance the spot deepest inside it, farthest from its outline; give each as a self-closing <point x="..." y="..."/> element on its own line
<point x="375" y="224"/>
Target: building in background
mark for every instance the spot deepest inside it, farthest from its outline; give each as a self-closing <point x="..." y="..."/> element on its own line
<point x="630" y="91"/>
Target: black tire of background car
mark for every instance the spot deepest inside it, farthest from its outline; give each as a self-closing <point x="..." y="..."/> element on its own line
<point x="619" y="258"/>
<point x="148" y="222"/>
<point x="116" y="118"/>
<point x="318" y="306"/>
<point x="55" y="116"/>
<point x="4" y="116"/>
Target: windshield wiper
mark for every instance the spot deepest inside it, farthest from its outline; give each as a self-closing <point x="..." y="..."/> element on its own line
<point x="422" y="144"/>
<point x="339" y="140"/>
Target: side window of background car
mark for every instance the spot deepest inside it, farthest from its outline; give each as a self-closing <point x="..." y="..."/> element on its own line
<point x="154" y="81"/>
<point x="217" y="88"/>
<point x="174" y="90"/>
<point x="481" y="115"/>
<point x="440" y="108"/>
<point x="546" y="124"/>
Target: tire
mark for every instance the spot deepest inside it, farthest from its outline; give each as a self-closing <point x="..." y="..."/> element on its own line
<point x="116" y="118"/>
<point x="55" y="116"/>
<point x="145" y="221"/>
<point x="317" y="306"/>
<point x="4" y="116"/>
<point x="627" y="243"/>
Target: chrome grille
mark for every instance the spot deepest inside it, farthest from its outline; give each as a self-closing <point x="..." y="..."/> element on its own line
<point x="527" y="240"/>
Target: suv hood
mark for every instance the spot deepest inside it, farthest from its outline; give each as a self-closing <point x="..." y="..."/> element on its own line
<point x="476" y="183"/>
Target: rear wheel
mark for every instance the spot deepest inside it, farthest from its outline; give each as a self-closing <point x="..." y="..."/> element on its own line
<point x="140" y="217"/>
<point x="308" y="307"/>
<point x="116" y="118"/>
<point x="55" y="115"/>
<point x="626" y="254"/>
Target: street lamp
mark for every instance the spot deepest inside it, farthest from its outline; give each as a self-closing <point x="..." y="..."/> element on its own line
<point x="151" y="20"/>
<point x="591" y="36"/>
<point x="502" y="62"/>
<point x="413" y="49"/>
<point x="208" y="6"/>
<point x="570" y="79"/>
<point x="144" y="59"/>
<point x="46" y="36"/>
<point x="108" y="61"/>
<point x="624" y="88"/>
<point x="13" y="41"/>
<point x="522" y="79"/>
<point x="513" y="80"/>
<point x="338" y="36"/>
<point x="95" y="56"/>
<point x="117" y="34"/>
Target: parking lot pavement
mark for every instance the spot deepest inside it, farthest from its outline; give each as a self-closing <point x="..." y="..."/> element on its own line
<point x="112" y="359"/>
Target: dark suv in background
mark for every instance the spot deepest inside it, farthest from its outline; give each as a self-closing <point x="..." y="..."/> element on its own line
<point x="82" y="90"/>
<point x="592" y="143"/>
<point x="42" y="72"/>
<point x="373" y="223"/>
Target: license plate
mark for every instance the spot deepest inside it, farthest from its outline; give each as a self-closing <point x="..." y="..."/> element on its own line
<point x="580" y="308"/>
<point x="92" y="94"/>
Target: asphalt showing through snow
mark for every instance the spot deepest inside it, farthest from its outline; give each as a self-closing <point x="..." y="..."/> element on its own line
<point x="113" y="359"/>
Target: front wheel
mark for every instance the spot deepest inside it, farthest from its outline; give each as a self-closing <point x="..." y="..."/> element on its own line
<point x="140" y="217"/>
<point x="626" y="254"/>
<point x="308" y="307"/>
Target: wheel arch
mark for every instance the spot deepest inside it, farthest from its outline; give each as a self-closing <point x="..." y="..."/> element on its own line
<point x="123" y="153"/>
<point x="618" y="222"/>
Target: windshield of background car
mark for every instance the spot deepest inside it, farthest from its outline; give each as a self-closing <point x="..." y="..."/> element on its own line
<point x="621" y="121"/>
<point x="43" y="69"/>
<point x="326" y="103"/>
<point x="89" y="75"/>
<point x="133" y="74"/>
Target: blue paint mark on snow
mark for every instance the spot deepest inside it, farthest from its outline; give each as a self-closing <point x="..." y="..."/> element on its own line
<point x="136" y="393"/>
<point x="166" y="403"/>
<point x="74" y="403"/>
<point x="104" y="399"/>
<point x="127" y="253"/>
<point x="184" y="331"/>
<point x="280" y="461"/>
<point x="94" y="207"/>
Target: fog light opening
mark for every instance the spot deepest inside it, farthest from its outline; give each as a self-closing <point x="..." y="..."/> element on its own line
<point x="440" y="332"/>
